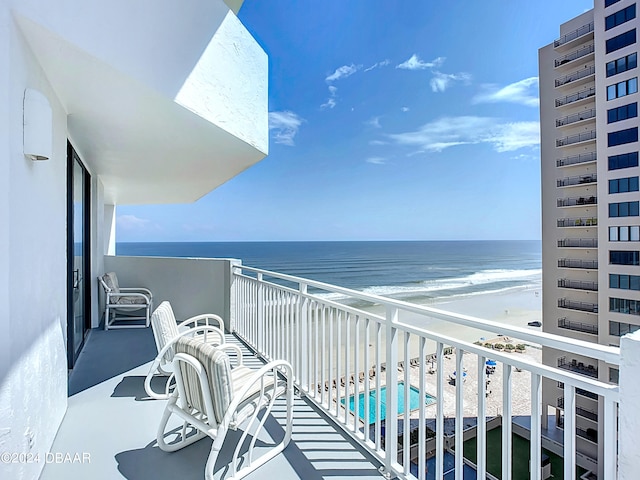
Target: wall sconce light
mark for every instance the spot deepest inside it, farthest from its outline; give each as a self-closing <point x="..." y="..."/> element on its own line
<point x="37" y="125"/>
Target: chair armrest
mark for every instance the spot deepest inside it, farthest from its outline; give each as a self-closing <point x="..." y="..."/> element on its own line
<point x="282" y="366"/>
<point x="236" y="350"/>
<point x="139" y="289"/>
<point x="206" y="317"/>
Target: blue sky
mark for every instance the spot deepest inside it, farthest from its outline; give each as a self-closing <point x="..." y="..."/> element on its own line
<point x="412" y="120"/>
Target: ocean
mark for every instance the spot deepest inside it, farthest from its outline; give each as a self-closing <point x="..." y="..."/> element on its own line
<point x="415" y="271"/>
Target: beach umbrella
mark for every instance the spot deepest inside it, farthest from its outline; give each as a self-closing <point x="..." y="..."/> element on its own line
<point x="491" y="363"/>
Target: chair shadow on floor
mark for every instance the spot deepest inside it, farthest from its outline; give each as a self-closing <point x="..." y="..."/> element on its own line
<point x="132" y="386"/>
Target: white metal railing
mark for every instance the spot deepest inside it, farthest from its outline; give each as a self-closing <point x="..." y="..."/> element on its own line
<point x="583" y="30"/>
<point x="340" y="352"/>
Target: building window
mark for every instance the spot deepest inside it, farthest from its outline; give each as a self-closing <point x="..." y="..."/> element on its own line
<point x="622" y="136"/>
<point x="624" y="257"/>
<point x="620" y="17"/>
<point x="627" y="233"/>
<point x="608" y="3"/>
<point x="622" y="89"/>
<point x="623" y="185"/>
<point x="626" y="306"/>
<point x="624" y="282"/>
<point x="614" y="375"/>
<point x="625" y="160"/>
<point x="622" y="64"/>
<point x="622" y="113"/>
<point x="621" y="41"/>
<point x="624" y="209"/>
<point x="618" y="329"/>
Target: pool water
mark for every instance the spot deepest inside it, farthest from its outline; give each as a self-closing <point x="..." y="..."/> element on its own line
<point x="414" y="402"/>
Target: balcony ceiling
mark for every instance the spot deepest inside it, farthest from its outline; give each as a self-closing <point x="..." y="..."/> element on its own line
<point x="144" y="146"/>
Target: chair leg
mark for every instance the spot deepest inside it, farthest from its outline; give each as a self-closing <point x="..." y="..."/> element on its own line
<point x="183" y="442"/>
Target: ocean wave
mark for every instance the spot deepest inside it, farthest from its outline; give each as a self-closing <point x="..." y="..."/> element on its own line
<point x="478" y="279"/>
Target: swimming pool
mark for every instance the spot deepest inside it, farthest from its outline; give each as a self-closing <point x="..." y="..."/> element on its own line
<point x="414" y="402"/>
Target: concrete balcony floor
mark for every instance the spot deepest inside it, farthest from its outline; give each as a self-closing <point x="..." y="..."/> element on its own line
<point x="110" y="418"/>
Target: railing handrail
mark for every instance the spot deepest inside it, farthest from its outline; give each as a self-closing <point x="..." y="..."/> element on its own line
<point x="602" y="352"/>
<point x="580" y="158"/>
<point x="577" y="180"/>
<point x="577" y="201"/>
<point x="577" y="33"/>
<point x="576" y="117"/>
<point x="574" y="97"/>
<point x="577" y="75"/>
<point x="578" y="242"/>
<point x="579" y="53"/>
<point x="578" y="137"/>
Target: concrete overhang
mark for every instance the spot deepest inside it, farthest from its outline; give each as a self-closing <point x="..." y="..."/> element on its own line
<point x="158" y="130"/>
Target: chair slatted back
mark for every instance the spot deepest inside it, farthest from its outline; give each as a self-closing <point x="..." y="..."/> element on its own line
<point x="165" y="328"/>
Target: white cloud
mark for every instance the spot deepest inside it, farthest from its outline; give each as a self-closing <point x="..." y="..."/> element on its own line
<point x="524" y="92"/>
<point x="343" y="72"/>
<point x="378" y="142"/>
<point x="376" y="160"/>
<point x="331" y="101"/>
<point x="373" y="122"/>
<point x="285" y="126"/>
<point x="383" y="63"/>
<point x="131" y="222"/>
<point x="414" y="63"/>
<point x="441" y="81"/>
<point x="405" y="109"/>
<point x="451" y="131"/>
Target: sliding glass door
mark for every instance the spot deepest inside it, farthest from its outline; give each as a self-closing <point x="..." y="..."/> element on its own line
<point x="78" y="285"/>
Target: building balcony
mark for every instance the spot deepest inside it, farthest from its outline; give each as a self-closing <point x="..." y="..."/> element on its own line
<point x="576" y="117"/>
<point x="572" y="263"/>
<point x="577" y="138"/>
<point x="577" y="326"/>
<point x="590" y="157"/>
<point x="590" y="434"/>
<point x="338" y="352"/>
<point x="578" y="243"/>
<point x="577" y="222"/>
<point x="579" y="306"/>
<point x="573" y="78"/>
<point x="578" y="367"/>
<point x="577" y="201"/>
<point x="574" y="35"/>
<point x="575" y="55"/>
<point x="581" y="391"/>
<point x="575" y="97"/>
<point x="580" y="411"/>
<point x="577" y="180"/>
<point x="578" y="284"/>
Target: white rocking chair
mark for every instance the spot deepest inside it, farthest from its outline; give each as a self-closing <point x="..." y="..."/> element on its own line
<point x="212" y="398"/>
<point x="207" y="328"/>
<point x="126" y="302"/>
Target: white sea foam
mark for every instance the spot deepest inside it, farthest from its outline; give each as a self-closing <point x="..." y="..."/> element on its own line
<point x="484" y="277"/>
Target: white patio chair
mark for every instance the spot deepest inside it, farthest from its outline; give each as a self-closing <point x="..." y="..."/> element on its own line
<point x="207" y="327"/>
<point x="212" y="398"/>
<point x="121" y="304"/>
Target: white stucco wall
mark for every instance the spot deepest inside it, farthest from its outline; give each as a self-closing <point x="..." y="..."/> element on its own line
<point x="33" y="381"/>
<point x="628" y="417"/>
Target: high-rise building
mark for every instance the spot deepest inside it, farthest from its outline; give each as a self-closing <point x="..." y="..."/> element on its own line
<point x="590" y="202"/>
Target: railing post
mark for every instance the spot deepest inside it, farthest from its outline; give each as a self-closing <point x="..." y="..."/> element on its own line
<point x="391" y="422"/>
<point x="629" y="415"/>
<point x="260" y="314"/>
<point x="303" y="347"/>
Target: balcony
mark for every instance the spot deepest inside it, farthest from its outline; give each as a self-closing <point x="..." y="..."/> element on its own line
<point x="575" y="97"/>
<point x="569" y="37"/>
<point x="576" y="117"/>
<point x="578" y="367"/>
<point x="577" y="201"/>
<point x="582" y="392"/>
<point x="575" y="55"/>
<point x="577" y="180"/>
<point x="579" y="306"/>
<point x="571" y="263"/>
<point x="577" y="326"/>
<point x="577" y="222"/>
<point x="338" y="351"/>
<point x="580" y="411"/>
<point x="576" y="159"/>
<point x="578" y="284"/>
<point x="572" y="78"/>
<point x="578" y="243"/>
<point x="577" y="138"/>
